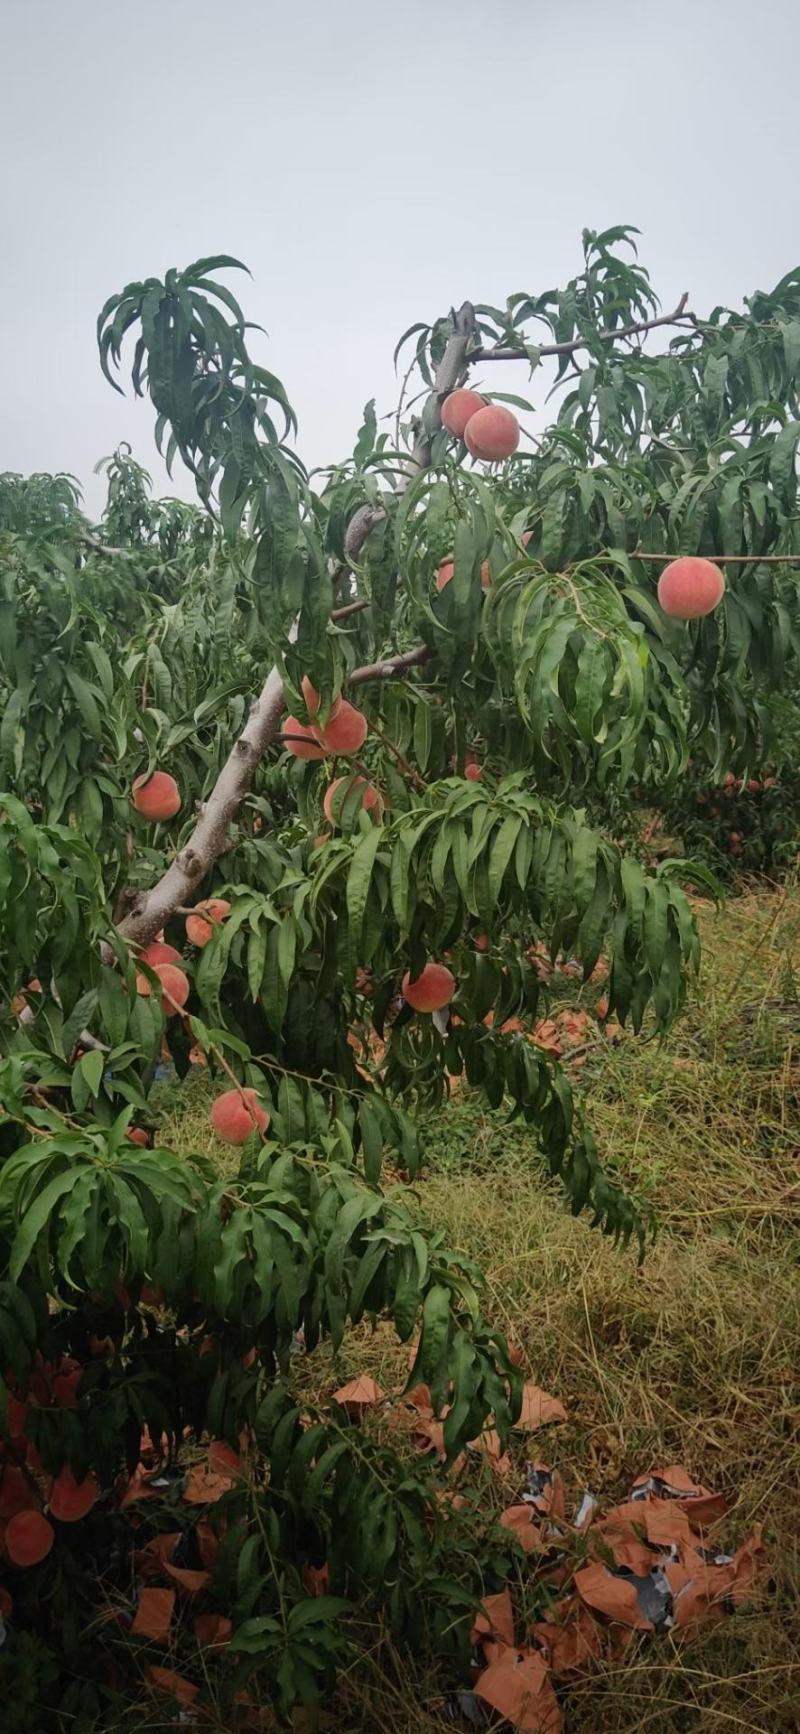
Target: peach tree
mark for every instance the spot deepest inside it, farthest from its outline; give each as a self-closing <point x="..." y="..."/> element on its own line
<point x="299" y="782"/>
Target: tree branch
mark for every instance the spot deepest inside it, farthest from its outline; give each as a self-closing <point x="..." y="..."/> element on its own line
<point x="358" y="529"/>
<point x="349" y="608"/>
<point x="103" y="548"/>
<point x="210" y="835"/>
<point x="407" y="769"/>
<point x="390" y="666"/>
<point x="451" y="369"/>
<point x="151" y="909"/>
<point x="721" y="559"/>
<point x="507" y="352"/>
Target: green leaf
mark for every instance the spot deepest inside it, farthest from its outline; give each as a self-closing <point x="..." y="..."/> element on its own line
<point x="114" y="1005"/>
<point x="423" y="734"/>
<point x="584" y="864"/>
<point x="371" y="1262"/>
<point x="12" y="735"/>
<point x="357" y="892"/>
<point x="465" y="1374"/>
<point x="322" y="1469"/>
<point x="590" y="686"/>
<point x="256" y="958"/>
<point x="317" y="1610"/>
<point x="655" y="926"/>
<point x="37" y="1217"/>
<point x="552" y="529"/>
<point x="503" y="848"/>
<point x="634" y="887"/>
<point x="354" y="1214"/>
<point x="791" y="346"/>
<point x="86" y="702"/>
<point x="783" y="461"/>
<point x="436" y="1321"/>
<point x="400" y="883"/>
<point x="371" y="1140"/>
<point x="91" y="1065"/>
<point x="287" y="946"/>
<point x="253" y="1637"/>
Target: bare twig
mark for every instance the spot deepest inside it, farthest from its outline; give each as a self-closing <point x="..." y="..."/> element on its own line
<point x="401" y="399"/>
<point x="43" y="1099"/>
<point x="585" y="1048"/>
<point x="390" y="666"/>
<point x="507" y="352"/>
<point x="87" y="1040"/>
<point x="285" y="735"/>
<point x="407" y="769"/>
<point x="349" y="608"/>
<point x="103" y="548"/>
<point x="722" y="559"/>
<point x="210" y="1048"/>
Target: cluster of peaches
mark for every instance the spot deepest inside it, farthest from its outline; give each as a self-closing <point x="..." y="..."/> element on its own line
<point x="688" y="588"/>
<point x="30" y="1499"/>
<point x="238" y="1112"/>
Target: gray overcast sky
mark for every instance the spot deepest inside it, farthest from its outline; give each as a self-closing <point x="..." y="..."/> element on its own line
<point x="371" y="163"/>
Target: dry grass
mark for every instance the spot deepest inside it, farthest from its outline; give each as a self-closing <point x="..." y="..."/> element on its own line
<point x="692" y="1358"/>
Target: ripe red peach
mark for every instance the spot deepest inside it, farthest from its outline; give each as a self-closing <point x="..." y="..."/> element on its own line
<point x="459" y="408"/>
<point x="236" y="1114"/>
<point x="70" y="1500"/>
<point x="346" y="732"/>
<point x="157" y="796"/>
<point x="431" y="990"/>
<point x="492" y="433"/>
<point x="175" y="985"/>
<point x="208" y="915"/>
<point x="689" y="588"/>
<point x="28" y="1538"/>
<point x="446" y="570"/>
<point x="300" y="740"/>
<point x="312" y="699"/>
<point x="158" y="952"/>
<point x="350" y="787"/>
